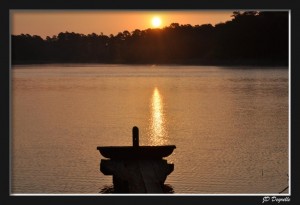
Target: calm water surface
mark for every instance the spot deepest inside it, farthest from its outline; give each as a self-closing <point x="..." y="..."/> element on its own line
<point x="230" y="125"/>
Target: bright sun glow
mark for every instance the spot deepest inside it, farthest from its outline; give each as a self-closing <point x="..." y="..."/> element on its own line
<point x="156" y="22"/>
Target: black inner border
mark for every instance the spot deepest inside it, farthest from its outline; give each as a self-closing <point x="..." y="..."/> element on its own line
<point x="7" y="5"/>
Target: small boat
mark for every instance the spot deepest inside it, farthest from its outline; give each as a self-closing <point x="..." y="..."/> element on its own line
<point x="138" y="152"/>
<point x="137" y="169"/>
<point x="135" y="151"/>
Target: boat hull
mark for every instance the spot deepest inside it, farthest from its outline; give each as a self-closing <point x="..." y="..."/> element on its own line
<point x="140" y="152"/>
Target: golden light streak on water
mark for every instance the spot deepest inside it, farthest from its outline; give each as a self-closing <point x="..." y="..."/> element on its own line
<point x="158" y="131"/>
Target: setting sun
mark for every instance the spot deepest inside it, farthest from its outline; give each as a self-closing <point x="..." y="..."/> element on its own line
<point x="156" y="22"/>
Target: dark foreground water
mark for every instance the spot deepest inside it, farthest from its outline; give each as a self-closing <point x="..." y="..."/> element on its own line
<point x="230" y="125"/>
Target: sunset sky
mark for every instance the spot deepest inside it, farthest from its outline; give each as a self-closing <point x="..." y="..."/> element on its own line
<point x="48" y="23"/>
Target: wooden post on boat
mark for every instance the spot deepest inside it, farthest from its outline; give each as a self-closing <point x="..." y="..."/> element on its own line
<point x="137" y="169"/>
<point x="135" y="136"/>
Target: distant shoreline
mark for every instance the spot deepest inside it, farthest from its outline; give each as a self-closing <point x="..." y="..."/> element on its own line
<point x="198" y="63"/>
<point x="249" y="39"/>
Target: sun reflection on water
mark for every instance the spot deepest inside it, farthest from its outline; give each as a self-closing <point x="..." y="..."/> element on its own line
<point x="158" y="131"/>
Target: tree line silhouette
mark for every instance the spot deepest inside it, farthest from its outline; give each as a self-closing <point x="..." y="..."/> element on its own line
<point x="258" y="38"/>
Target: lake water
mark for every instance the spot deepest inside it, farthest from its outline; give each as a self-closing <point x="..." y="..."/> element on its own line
<point x="229" y="124"/>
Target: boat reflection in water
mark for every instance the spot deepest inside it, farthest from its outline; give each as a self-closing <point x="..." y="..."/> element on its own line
<point x="157" y="130"/>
